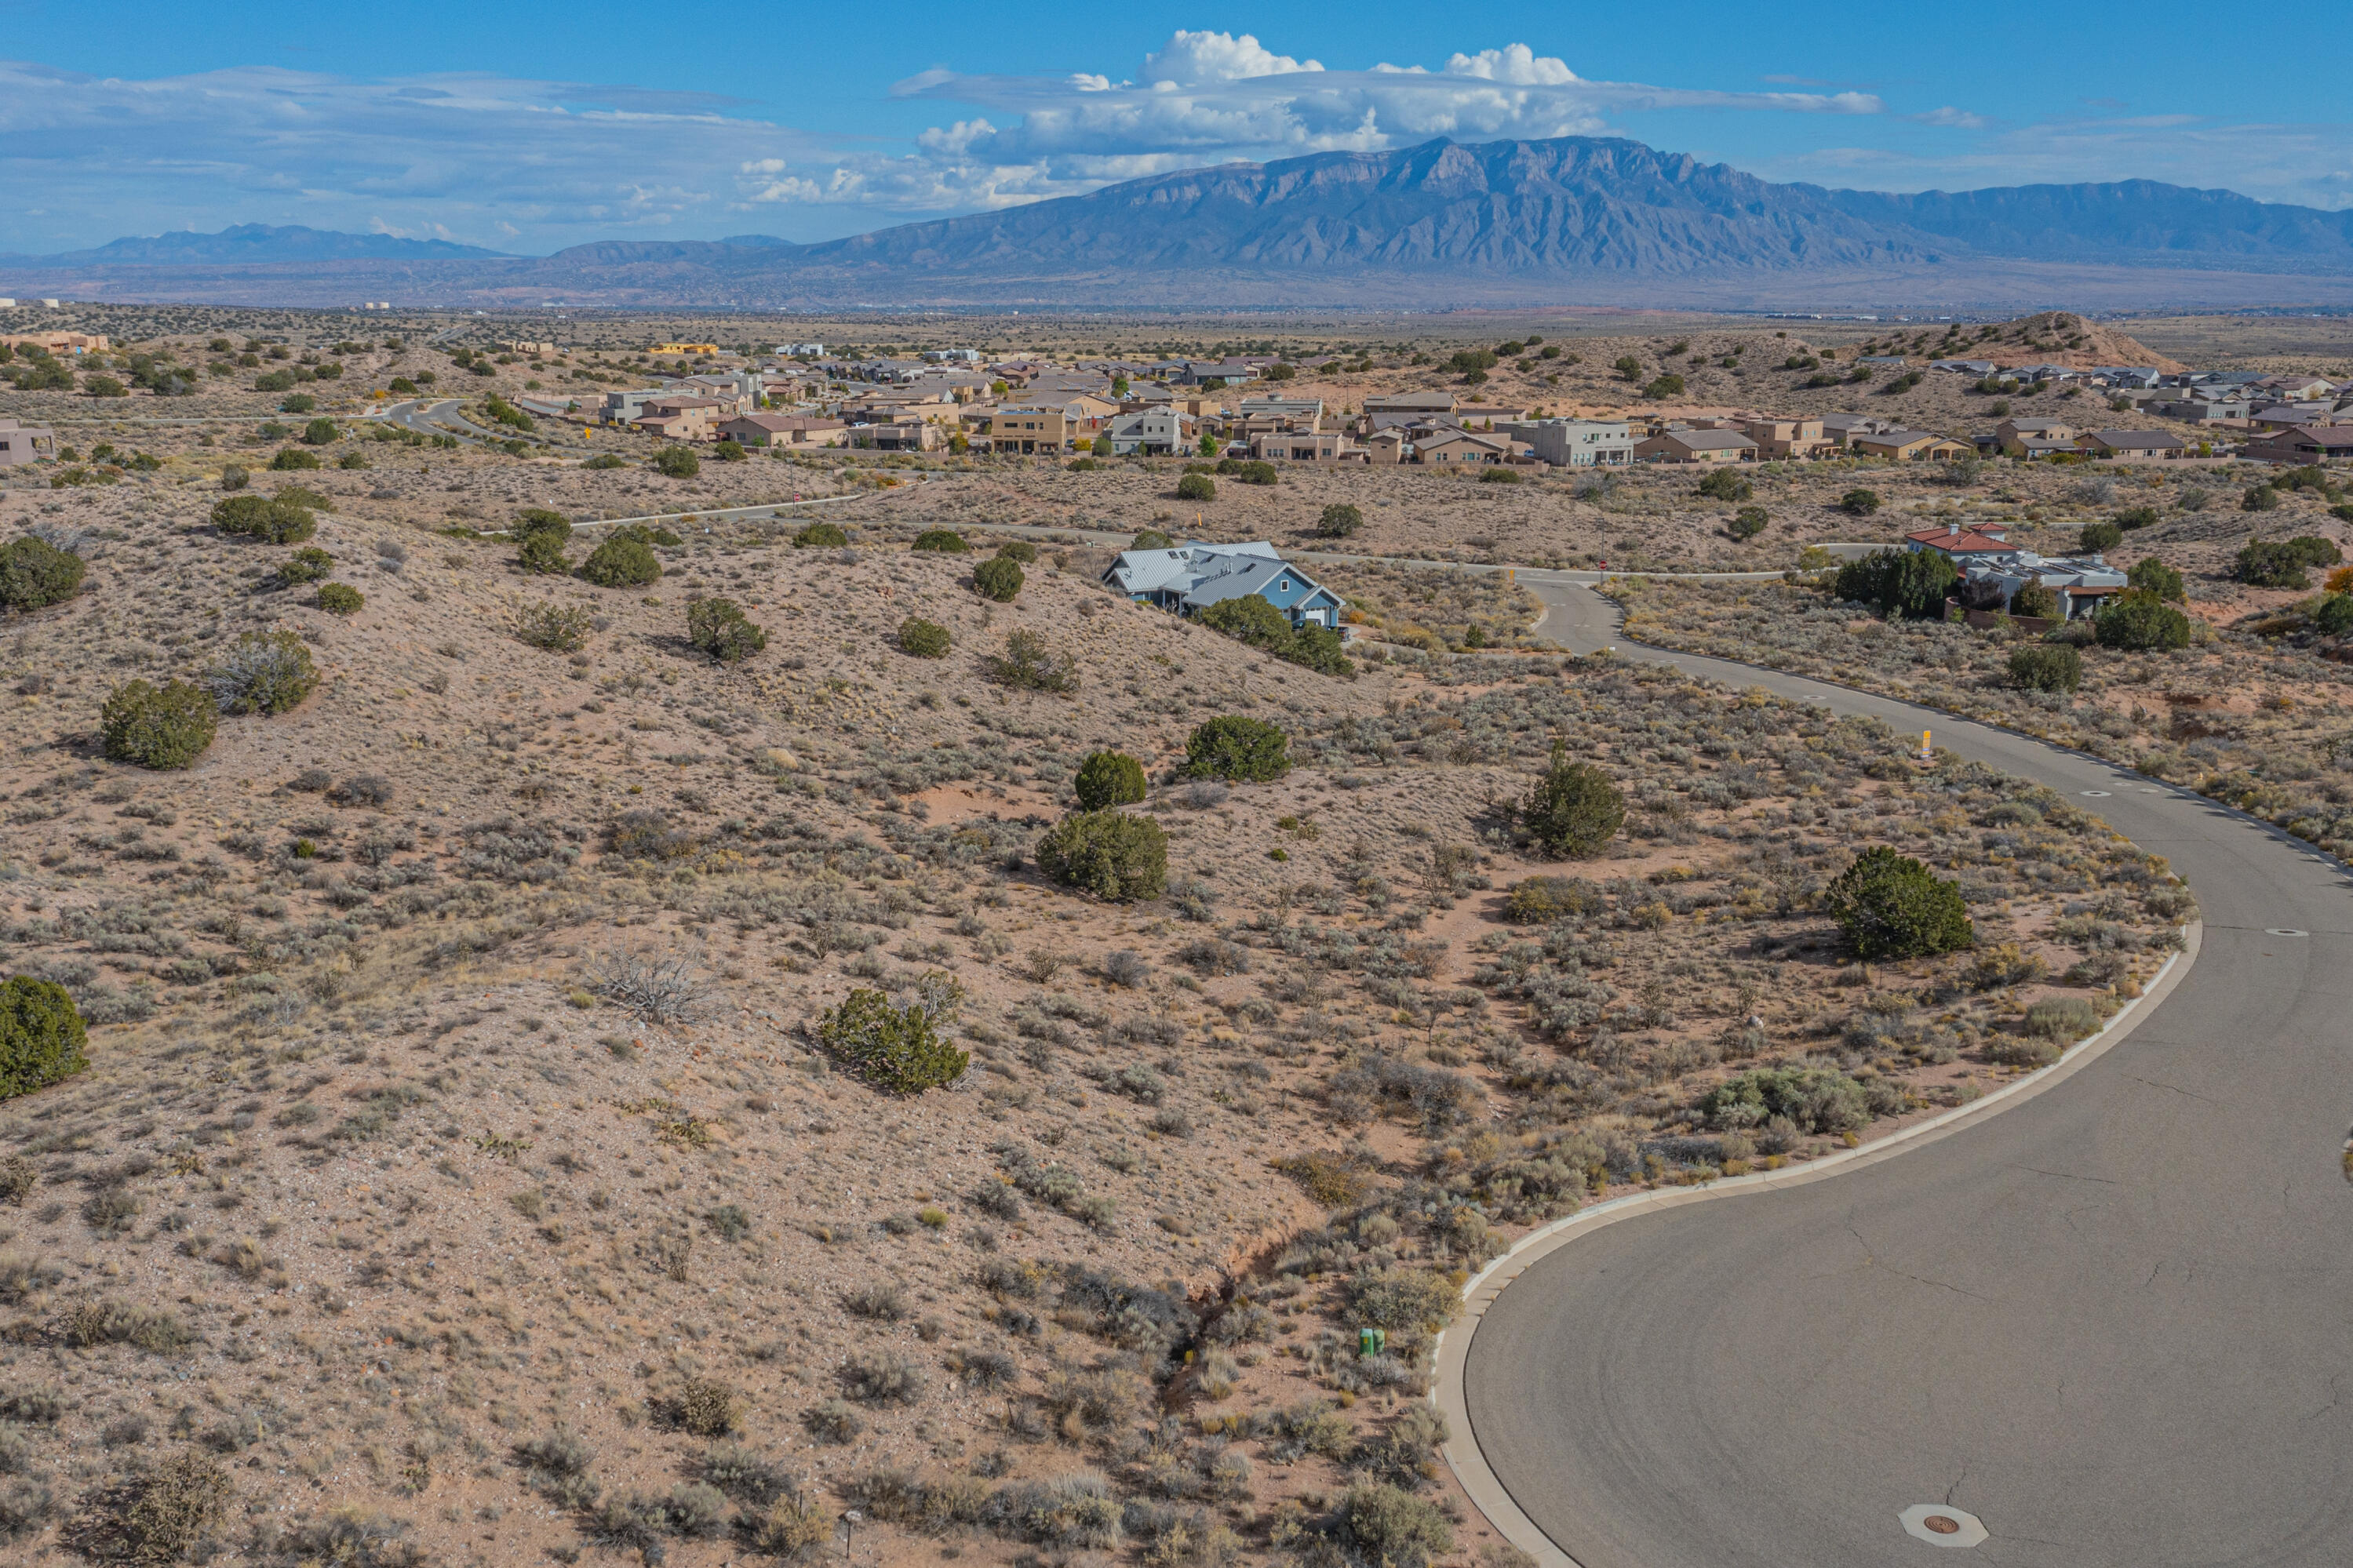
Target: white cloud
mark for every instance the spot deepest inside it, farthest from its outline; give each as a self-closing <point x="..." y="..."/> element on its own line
<point x="1192" y="58"/>
<point x="1513" y="63"/>
<point x="1958" y="119"/>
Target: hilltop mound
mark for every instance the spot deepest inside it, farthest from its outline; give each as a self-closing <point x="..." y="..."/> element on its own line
<point x="2062" y="337"/>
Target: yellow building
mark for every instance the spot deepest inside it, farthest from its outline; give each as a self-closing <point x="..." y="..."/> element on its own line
<point x="684" y="349"/>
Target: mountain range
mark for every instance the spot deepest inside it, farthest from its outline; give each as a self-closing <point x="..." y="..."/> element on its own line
<point x="1573" y="220"/>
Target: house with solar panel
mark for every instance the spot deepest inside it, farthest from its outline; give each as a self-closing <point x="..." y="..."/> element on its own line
<point x="1189" y="577"/>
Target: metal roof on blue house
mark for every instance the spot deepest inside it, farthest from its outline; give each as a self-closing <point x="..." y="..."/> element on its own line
<point x="1193" y="575"/>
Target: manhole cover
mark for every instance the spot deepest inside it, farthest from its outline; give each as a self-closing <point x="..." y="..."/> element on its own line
<point x="2284" y="931"/>
<point x="1940" y="1525"/>
<point x="2095" y="793"/>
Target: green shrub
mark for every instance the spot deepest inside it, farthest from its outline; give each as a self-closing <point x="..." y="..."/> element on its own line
<point x="1338" y="521"/>
<point x="677" y="462"/>
<point x="2259" y="498"/>
<point x="1499" y="475"/>
<point x="1665" y="386"/>
<point x="1390" y="1527"/>
<point x="320" y="433"/>
<point x="1403" y="1297"/>
<point x="2155" y="578"/>
<point x="308" y="564"/>
<point x="2333" y="616"/>
<point x="720" y="628"/>
<point x="2099" y="536"/>
<point x="2133" y="517"/>
<point x="35" y="575"/>
<point x="2036" y="601"/>
<point x="1891" y="905"/>
<point x="1859" y="503"/>
<point x="1196" y="487"/>
<point x="271" y="519"/>
<point x="1534" y="900"/>
<point x="1249" y="470"/>
<point x="1028" y="665"/>
<point x="2046" y="666"/>
<point x="339" y="599"/>
<point x="1019" y="550"/>
<point x="1232" y="747"/>
<point x="41" y="1035"/>
<point x="1912" y="582"/>
<point x="1250" y="619"/>
<point x="543" y="553"/>
<point x="942" y="540"/>
<point x="2271" y="563"/>
<point x="557" y="628"/>
<point x="1812" y="1099"/>
<point x="1151" y="539"/>
<point x="1108" y="779"/>
<point x="1117" y="858"/>
<point x="729" y="451"/>
<point x="354" y="458"/>
<point x="999" y="579"/>
<point x="896" y="1049"/>
<point x="2067" y="1018"/>
<point x="624" y="560"/>
<point x="289" y="459"/>
<point x="162" y="727"/>
<point x="540" y="520"/>
<point x="924" y="639"/>
<point x="607" y="460"/>
<point x="1748" y="522"/>
<point x="2131" y="623"/>
<point x="820" y="536"/>
<point x="1725" y="484"/>
<point x="234" y="477"/>
<point x="1573" y="809"/>
<point x="263" y="672"/>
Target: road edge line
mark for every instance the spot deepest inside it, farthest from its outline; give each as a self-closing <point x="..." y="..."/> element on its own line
<point x="1452" y="1354"/>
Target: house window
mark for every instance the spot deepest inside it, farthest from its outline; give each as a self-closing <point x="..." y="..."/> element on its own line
<point x="1283" y="586"/>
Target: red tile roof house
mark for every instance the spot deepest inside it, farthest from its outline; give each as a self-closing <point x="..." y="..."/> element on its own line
<point x="1960" y="544"/>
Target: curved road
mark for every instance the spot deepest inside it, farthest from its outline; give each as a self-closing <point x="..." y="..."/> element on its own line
<point x="2114" y="1321"/>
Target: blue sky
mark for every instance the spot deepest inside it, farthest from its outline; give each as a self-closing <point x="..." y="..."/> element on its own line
<point x="529" y="127"/>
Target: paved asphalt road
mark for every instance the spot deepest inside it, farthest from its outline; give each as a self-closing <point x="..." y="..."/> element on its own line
<point x="2115" y="1321"/>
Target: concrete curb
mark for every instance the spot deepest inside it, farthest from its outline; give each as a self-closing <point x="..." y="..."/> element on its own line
<point x="1453" y="1353"/>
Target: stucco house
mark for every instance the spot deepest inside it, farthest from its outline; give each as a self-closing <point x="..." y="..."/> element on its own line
<point x="1697" y="447"/>
<point x="21" y="443"/>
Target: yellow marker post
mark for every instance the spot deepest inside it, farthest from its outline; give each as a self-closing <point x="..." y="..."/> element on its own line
<point x="1926" y="752"/>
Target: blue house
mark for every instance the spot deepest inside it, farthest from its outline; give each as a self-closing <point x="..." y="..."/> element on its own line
<point x="1193" y="575"/>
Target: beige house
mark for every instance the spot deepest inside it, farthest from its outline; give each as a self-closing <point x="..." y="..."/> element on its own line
<point x="25" y="443"/>
<point x="2016" y="437"/>
<point x="2136" y="445"/>
<point x="784" y="430"/>
<point x="1909" y="447"/>
<point x="1385" y="447"/>
<point x="1783" y="438"/>
<point x="1455" y="448"/>
<point x="682" y="419"/>
<point x="1304" y="447"/>
<point x="1027" y="429"/>
<point x="1697" y="446"/>
<point x="898" y="435"/>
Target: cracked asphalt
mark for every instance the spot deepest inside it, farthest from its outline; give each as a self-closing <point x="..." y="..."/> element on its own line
<point x="2113" y="1320"/>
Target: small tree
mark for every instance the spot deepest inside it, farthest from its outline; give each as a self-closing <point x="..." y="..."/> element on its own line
<point x="624" y="560"/>
<point x="2036" y="601"/>
<point x="895" y="1049"/>
<point x="1196" y="487"/>
<point x="272" y="521"/>
<point x="1108" y="779"/>
<point x="922" y="638"/>
<point x="720" y="628"/>
<point x="2046" y="666"/>
<point x="162" y="727"/>
<point x="1019" y="550"/>
<point x="729" y="451"/>
<point x="999" y="579"/>
<point x="557" y="628"/>
<point x="1028" y="665"/>
<point x="1232" y="747"/>
<point x="308" y="564"/>
<point x="942" y="542"/>
<point x="2099" y="536"/>
<point x="340" y="599"/>
<point x="1338" y="521"/>
<point x="820" y="536"/>
<point x="1573" y="809"/>
<point x="1117" y="858"/>
<point x="2333" y="616"/>
<point x="677" y="462"/>
<point x="1627" y="367"/>
<point x="289" y="459"/>
<point x="263" y="672"/>
<point x="2133" y="624"/>
<point x="42" y="1037"/>
<point x="1891" y="905"/>
<point x="1912" y="582"/>
<point x="2152" y="576"/>
<point x="35" y="575"/>
<point x="1151" y="539"/>
<point x="540" y="535"/>
<point x="1748" y="522"/>
<point x="1724" y="484"/>
<point x="1859" y="503"/>
<point x="320" y="433"/>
